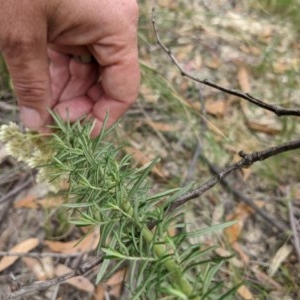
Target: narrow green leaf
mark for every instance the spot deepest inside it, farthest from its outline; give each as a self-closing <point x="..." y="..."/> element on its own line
<point x="211" y="229"/>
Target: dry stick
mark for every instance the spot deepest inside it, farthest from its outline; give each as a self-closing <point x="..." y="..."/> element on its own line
<point x="294" y="230"/>
<point x="41" y="255"/>
<point x="262" y="213"/>
<point x="278" y="110"/>
<point x="22" y="185"/>
<point x="246" y="161"/>
<point x="84" y="268"/>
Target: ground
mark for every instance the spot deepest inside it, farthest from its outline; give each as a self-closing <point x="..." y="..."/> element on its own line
<point x="251" y="47"/>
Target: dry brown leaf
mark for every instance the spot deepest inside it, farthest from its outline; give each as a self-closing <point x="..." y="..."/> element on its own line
<point x="23" y="247"/>
<point x="27" y="202"/>
<point x="241" y="213"/>
<point x="280" y="256"/>
<point x="51" y="202"/>
<point x="243" y="79"/>
<point x="32" y="201"/>
<point x="35" y="266"/>
<point x="265" y="279"/>
<point x="213" y="63"/>
<point x="245" y="293"/>
<point x="216" y="108"/>
<point x="115" y="283"/>
<point x="99" y="293"/>
<point x="163" y="126"/>
<point x="142" y="159"/>
<point x="270" y="129"/>
<point x="79" y="282"/>
<point x="89" y="243"/>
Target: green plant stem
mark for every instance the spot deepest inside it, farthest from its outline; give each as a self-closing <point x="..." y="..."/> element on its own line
<point x="170" y="264"/>
<point x="161" y="250"/>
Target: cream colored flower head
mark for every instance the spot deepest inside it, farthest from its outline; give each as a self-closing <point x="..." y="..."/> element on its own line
<point x="32" y="149"/>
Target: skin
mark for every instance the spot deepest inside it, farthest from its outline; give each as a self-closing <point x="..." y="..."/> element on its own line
<point x="39" y="39"/>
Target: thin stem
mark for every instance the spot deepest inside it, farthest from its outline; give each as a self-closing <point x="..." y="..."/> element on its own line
<point x="276" y="109"/>
<point x="161" y="250"/>
<point x="170" y="264"/>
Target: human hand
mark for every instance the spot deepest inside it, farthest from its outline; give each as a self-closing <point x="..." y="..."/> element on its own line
<point x="39" y="39"/>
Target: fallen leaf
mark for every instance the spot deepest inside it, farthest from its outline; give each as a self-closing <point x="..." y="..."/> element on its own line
<point x="35" y="266"/>
<point x="164" y="127"/>
<point x="79" y="282"/>
<point x="265" y="279"/>
<point x="23" y="247"/>
<point x="99" y="293"/>
<point x="270" y="128"/>
<point x="280" y="256"/>
<point x="213" y="63"/>
<point x="216" y="108"/>
<point x="27" y="202"/>
<point x="241" y="213"/>
<point x="116" y="282"/>
<point x="31" y="201"/>
<point x="243" y="79"/>
<point x="89" y="243"/>
<point x="245" y="293"/>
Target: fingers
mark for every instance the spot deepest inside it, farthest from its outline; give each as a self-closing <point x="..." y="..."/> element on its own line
<point x="59" y="73"/>
<point x="28" y="67"/>
<point x="120" y="78"/>
<point x="75" y="108"/>
<point x="71" y="79"/>
<point x="23" y="40"/>
<point x="83" y="76"/>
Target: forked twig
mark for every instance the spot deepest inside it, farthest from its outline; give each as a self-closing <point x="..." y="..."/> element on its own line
<point x="276" y="109"/>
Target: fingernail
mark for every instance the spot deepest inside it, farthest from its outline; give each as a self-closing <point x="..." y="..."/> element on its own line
<point x="31" y="118"/>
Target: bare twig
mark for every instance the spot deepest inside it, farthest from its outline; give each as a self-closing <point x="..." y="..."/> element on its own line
<point x="246" y="161"/>
<point x="242" y="197"/>
<point x="22" y="185"/>
<point x="278" y="110"/>
<point x="41" y="255"/>
<point x="38" y="286"/>
<point x="295" y="232"/>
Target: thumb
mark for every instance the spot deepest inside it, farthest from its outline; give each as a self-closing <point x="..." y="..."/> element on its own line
<point x="29" y="71"/>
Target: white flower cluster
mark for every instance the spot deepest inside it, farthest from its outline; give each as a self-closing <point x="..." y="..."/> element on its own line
<point x="32" y="149"/>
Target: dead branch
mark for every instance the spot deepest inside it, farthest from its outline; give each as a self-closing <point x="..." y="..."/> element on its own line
<point x="38" y="286"/>
<point x="279" y="225"/>
<point x="276" y="109"/>
<point x="246" y="161"/>
<point x="41" y="255"/>
<point x="24" y="183"/>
